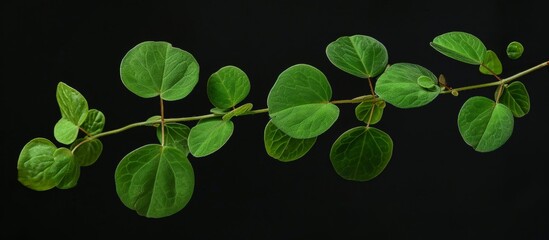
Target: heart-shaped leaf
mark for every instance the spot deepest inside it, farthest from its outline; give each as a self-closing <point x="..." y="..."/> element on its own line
<point x="460" y="46"/>
<point x="284" y="148"/>
<point x="484" y="124"/>
<point x="516" y="98"/>
<point x="399" y="86"/>
<point x="154" y="68"/>
<point x="154" y="180"/>
<point x="227" y="87"/>
<point x="361" y="153"/>
<point x="299" y="102"/>
<point x="209" y="135"/>
<point x="359" y="55"/>
<point x="41" y="166"/>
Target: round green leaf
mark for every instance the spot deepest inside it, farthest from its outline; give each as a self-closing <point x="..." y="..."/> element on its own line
<point x="361" y="153"/>
<point x="154" y="68"/>
<point x="72" y="104"/>
<point x="176" y="135"/>
<point x="364" y="110"/>
<point x="65" y="131"/>
<point x="95" y="121"/>
<point x="516" y="98"/>
<point x="491" y="62"/>
<point x="41" y="166"/>
<point x="398" y="85"/>
<point x="425" y="82"/>
<point x="284" y="148"/>
<point x="299" y="102"/>
<point x="359" y="55"/>
<point x="156" y="181"/>
<point x="227" y="87"/>
<point x="484" y="124"/>
<point x="87" y="153"/>
<point x="460" y="46"/>
<point x="514" y="50"/>
<point x="209" y="135"/>
<point x="72" y="173"/>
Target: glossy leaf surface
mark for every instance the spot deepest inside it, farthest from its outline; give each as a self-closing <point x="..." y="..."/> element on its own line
<point x="209" y="135"/>
<point x="516" y="97"/>
<point x="460" y="46"/>
<point x="227" y="87"/>
<point x="87" y="153"/>
<point x="359" y="55"/>
<point x="491" y="64"/>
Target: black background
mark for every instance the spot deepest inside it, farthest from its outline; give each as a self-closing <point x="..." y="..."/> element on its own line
<point x="435" y="186"/>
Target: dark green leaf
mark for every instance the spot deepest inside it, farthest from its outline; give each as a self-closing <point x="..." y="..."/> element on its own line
<point x="398" y="85"/>
<point x="72" y="174"/>
<point x="176" y="135"/>
<point x="87" y="153"/>
<point x="299" y="102"/>
<point x="95" y="121"/>
<point x="484" y="124"/>
<point x="284" y="148"/>
<point x="41" y="166"/>
<point x="153" y="68"/>
<point x="514" y="50"/>
<point x="460" y="46"/>
<point x="359" y="55"/>
<point x="155" y="181"/>
<point x="361" y="153"/>
<point x="516" y="98"/>
<point x="209" y="135"/>
<point x="227" y="87"/>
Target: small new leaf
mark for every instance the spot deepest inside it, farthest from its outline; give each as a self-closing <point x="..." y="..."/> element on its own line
<point x="491" y="64"/>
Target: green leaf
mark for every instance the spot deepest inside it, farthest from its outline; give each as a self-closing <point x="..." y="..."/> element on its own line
<point x="72" y="173"/>
<point x="284" y="148"/>
<point x="153" y="69"/>
<point x="514" y="50"/>
<point x="209" y="135"/>
<point x="218" y="111"/>
<point x="484" y="124"/>
<point x="365" y="109"/>
<point x="299" y="102"/>
<point x="95" y="121"/>
<point x="176" y="135"/>
<point x="153" y="121"/>
<point x="425" y="82"/>
<point x="516" y="98"/>
<point x="72" y="104"/>
<point x="41" y="166"/>
<point x="227" y="87"/>
<point x="460" y="46"/>
<point x="238" y="111"/>
<point x="491" y="61"/>
<point x="155" y="181"/>
<point x="358" y="55"/>
<point x="361" y="153"/>
<point x="88" y="152"/>
<point x="65" y="131"/>
<point x="398" y="85"/>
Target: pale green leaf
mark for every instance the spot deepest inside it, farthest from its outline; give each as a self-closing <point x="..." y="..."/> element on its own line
<point x="40" y="165"/>
<point x="284" y="148"/>
<point x="484" y="124"/>
<point x="155" y="68"/>
<point x="65" y="131"/>
<point x="491" y="64"/>
<point x="227" y="87"/>
<point x="299" y="102"/>
<point x="358" y="55"/>
<point x="156" y="181"/>
<point x="361" y="153"/>
<point x="238" y="111"/>
<point x="398" y="85"/>
<point x="72" y="104"/>
<point x="208" y="136"/>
